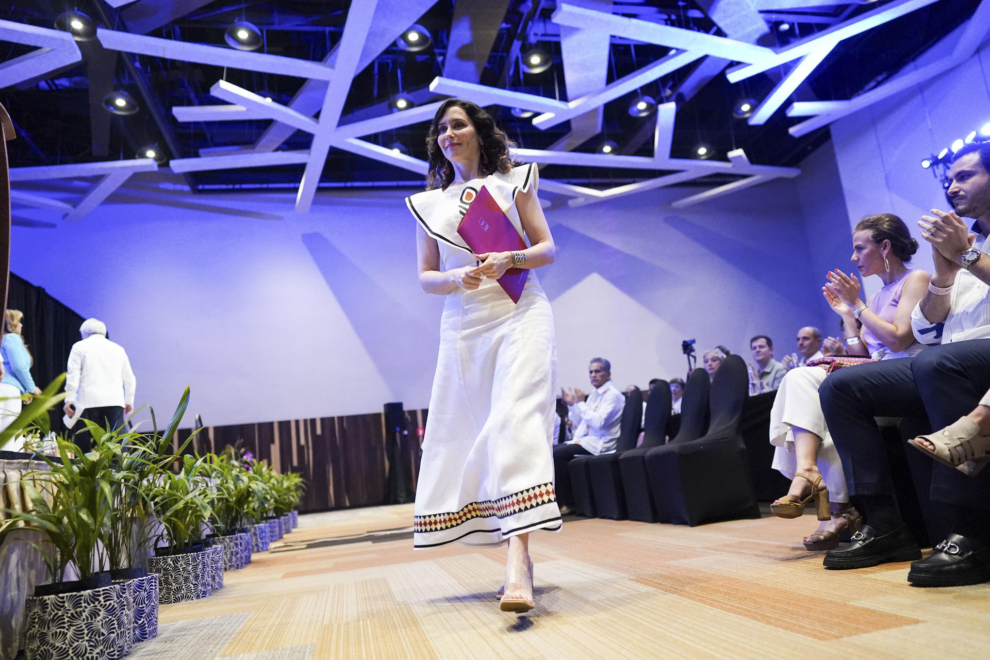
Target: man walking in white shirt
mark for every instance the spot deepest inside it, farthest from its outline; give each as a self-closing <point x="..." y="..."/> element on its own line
<point x="596" y="418"/>
<point x="99" y="385"/>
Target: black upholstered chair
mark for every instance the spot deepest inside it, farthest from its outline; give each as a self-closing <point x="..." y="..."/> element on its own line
<point x="603" y="471"/>
<point x="707" y="479"/>
<point x="629" y="426"/>
<point x="694" y="423"/>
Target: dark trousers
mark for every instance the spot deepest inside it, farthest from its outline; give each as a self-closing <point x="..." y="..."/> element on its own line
<point x="108" y="417"/>
<point x="562" y="455"/>
<point x="946" y="382"/>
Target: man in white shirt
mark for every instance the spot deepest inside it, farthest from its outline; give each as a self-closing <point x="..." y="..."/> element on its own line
<point x="99" y="384"/>
<point x="809" y="347"/>
<point x="596" y="418"/>
<point x="945" y="381"/>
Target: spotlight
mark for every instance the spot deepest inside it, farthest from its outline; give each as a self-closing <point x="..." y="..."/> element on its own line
<point x="957" y="145"/>
<point x="703" y="151"/>
<point x="415" y="39"/>
<point x="120" y="103"/>
<point x="536" y="61"/>
<point x="399" y="148"/>
<point x="926" y="163"/>
<point x="985" y="131"/>
<point x="243" y="36"/>
<point x="151" y="151"/>
<point x="642" y="106"/>
<point x="609" y="147"/>
<point x="744" y="108"/>
<point x="522" y="114"/>
<point x="784" y="27"/>
<point x="971" y="137"/>
<point x="76" y="23"/>
<point x="401" y="102"/>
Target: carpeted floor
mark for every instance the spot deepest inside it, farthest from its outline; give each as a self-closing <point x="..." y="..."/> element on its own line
<point x="349" y="585"/>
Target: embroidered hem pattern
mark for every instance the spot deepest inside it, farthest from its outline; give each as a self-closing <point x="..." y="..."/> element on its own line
<point x="503" y="507"/>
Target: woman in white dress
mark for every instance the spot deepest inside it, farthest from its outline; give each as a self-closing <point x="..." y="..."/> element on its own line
<point x="804" y="450"/>
<point x="486" y="476"/>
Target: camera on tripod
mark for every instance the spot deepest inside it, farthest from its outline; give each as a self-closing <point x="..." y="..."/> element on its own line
<point x="687" y="347"/>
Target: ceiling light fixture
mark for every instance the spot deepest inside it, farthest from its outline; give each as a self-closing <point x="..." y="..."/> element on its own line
<point x="401" y="102"/>
<point x="120" y="103"/>
<point x="399" y="148"/>
<point x="971" y="137"/>
<point x="609" y="147"/>
<point x="244" y="36"/>
<point x="784" y="27"/>
<point x="957" y="145"/>
<point x="642" y="106"/>
<point x="703" y="151"/>
<point x="415" y="39"/>
<point x="536" y="61"/>
<point x="926" y="163"/>
<point x="985" y="130"/>
<point x="744" y="108"/>
<point x="78" y="24"/>
<point x="521" y="113"/>
<point x="151" y="151"/>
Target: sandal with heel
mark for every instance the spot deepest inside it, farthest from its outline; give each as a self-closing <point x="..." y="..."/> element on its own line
<point x="792" y="507"/>
<point x="827" y="539"/>
<point x="510" y="600"/>
<point x="959" y="445"/>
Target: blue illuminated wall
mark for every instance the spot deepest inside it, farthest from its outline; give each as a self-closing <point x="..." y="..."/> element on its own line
<point x="272" y="315"/>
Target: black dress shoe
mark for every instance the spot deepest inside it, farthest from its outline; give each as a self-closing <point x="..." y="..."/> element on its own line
<point x="868" y="549"/>
<point x="955" y="561"/>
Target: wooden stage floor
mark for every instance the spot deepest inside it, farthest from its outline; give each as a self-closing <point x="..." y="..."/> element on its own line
<point x="349" y="585"/>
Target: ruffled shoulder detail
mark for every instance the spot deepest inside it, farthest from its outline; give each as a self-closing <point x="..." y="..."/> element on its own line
<point x="428" y="205"/>
<point x="506" y="186"/>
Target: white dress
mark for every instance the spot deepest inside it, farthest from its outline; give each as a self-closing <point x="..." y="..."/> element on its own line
<point x="487" y="467"/>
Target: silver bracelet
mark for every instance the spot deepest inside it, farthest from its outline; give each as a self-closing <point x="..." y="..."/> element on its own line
<point x="518" y="259"/>
<point x="852" y="341"/>
<point x="859" y="311"/>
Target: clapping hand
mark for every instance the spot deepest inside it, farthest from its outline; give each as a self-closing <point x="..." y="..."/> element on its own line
<point x="844" y="287"/>
<point x="579" y="395"/>
<point x="833" y="346"/>
<point x="947" y="233"/>
<point x="568" y="395"/>
<point x="839" y="307"/>
<point x="788" y="362"/>
<point x="494" y="264"/>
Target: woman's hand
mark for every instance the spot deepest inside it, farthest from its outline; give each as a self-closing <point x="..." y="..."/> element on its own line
<point x="494" y="264"/>
<point x="845" y="288"/>
<point x="466" y="278"/>
<point x="839" y="307"/>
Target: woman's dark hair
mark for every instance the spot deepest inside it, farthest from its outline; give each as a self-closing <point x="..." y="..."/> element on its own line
<point x="888" y="227"/>
<point x="495" y="145"/>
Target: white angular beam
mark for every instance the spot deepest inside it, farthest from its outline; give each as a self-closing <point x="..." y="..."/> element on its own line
<point x="382" y="154"/>
<point x="638" y="187"/>
<point x="568" y="189"/>
<point x="37" y="201"/>
<point x="642" y="163"/>
<point x="788" y="84"/>
<point x="483" y="95"/>
<point x="389" y="121"/>
<point x="662" y="35"/>
<point x="103" y="189"/>
<point x="738" y="157"/>
<point x="975" y="32"/>
<point x="232" y="93"/>
<point x="47" y="172"/>
<point x="812" y="108"/>
<point x="622" y="86"/>
<point x="187" y="113"/>
<point x="55" y="50"/>
<point x="356" y="29"/>
<point x="663" y="138"/>
<point x="215" y="55"/>
<point x="829" y="37"/>
<point x="735" y="186"/>
<point x="236" y="161"/>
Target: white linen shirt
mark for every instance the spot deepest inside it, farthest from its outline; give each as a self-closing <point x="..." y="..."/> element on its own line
<point x="597" y="420"/>
<point x="969" y="308"/>
<point x="99" y="375"/>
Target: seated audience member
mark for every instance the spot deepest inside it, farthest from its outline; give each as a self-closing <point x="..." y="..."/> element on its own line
<point x="946" y="381"/>
<point x="676" y="393"/>
<point x="765" y="373"/>
<point x="964" y="444"/>
<point x="804" y="450"/>
<point x="15" y="374"/>
<point x="712" y="360"/>
<point x="809" y="347"/>
<point x="596" y="419"/>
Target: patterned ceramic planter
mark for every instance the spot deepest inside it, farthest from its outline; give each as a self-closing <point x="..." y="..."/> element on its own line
<point x="259" y="537"/>
<point x="274" y="530"/>
<point x="286" y="524"/>
<point x="142" y="603"/>
<point x="216" y="566"/>
<point x="87" y="624"/>
<point x="182" y="577"/>
<point x="244" y="543"/>
<point x="295" y="518"/>
<point x="233" y="555"/>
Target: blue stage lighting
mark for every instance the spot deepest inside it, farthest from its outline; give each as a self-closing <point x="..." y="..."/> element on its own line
<point x="942" y="154"/>
<point x="970" y="137"/>
<point x="957" y="145"/>
<point x="985" y="131"/>
<point x="926" y="163"/>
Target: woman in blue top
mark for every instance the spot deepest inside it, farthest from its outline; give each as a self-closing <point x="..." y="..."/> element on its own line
<point x="17" y="379"/>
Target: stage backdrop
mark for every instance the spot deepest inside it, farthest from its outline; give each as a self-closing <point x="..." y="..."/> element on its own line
<point x="270" y="315"/>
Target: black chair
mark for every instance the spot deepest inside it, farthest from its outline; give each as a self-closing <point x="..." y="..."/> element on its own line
<point x="707" y="479"/>
<point x="629" y="427"/>
<point x="694" y="423"/>
<point x="755" y="429"/>
<point x="606" y="481"/>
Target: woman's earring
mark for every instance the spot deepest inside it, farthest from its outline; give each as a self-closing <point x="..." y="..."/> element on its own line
<point x="446" y="168"/>
<point x="886" y="264"/>
<point x="484" y="158"/>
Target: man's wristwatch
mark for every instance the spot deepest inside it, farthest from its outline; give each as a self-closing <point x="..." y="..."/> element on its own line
<point x="969" y="257"/>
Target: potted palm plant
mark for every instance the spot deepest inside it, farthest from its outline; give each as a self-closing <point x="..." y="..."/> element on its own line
<point x="232" y="494"/>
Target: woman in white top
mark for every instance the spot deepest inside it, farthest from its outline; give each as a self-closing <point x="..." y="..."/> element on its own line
<point x="486" y="476"/>
<point x="804" y="450"/>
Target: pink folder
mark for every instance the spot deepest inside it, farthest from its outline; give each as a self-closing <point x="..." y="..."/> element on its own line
<point x="485" y="228"/>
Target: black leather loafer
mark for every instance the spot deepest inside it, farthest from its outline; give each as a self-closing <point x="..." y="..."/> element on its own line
<point x="956" y="561"/>
<point x="868" y="549"/>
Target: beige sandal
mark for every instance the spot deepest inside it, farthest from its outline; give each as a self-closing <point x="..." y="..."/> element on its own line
<point x="958" y="445"/>
<point x="511" y="601"/>
<point x="792" y="507"/>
